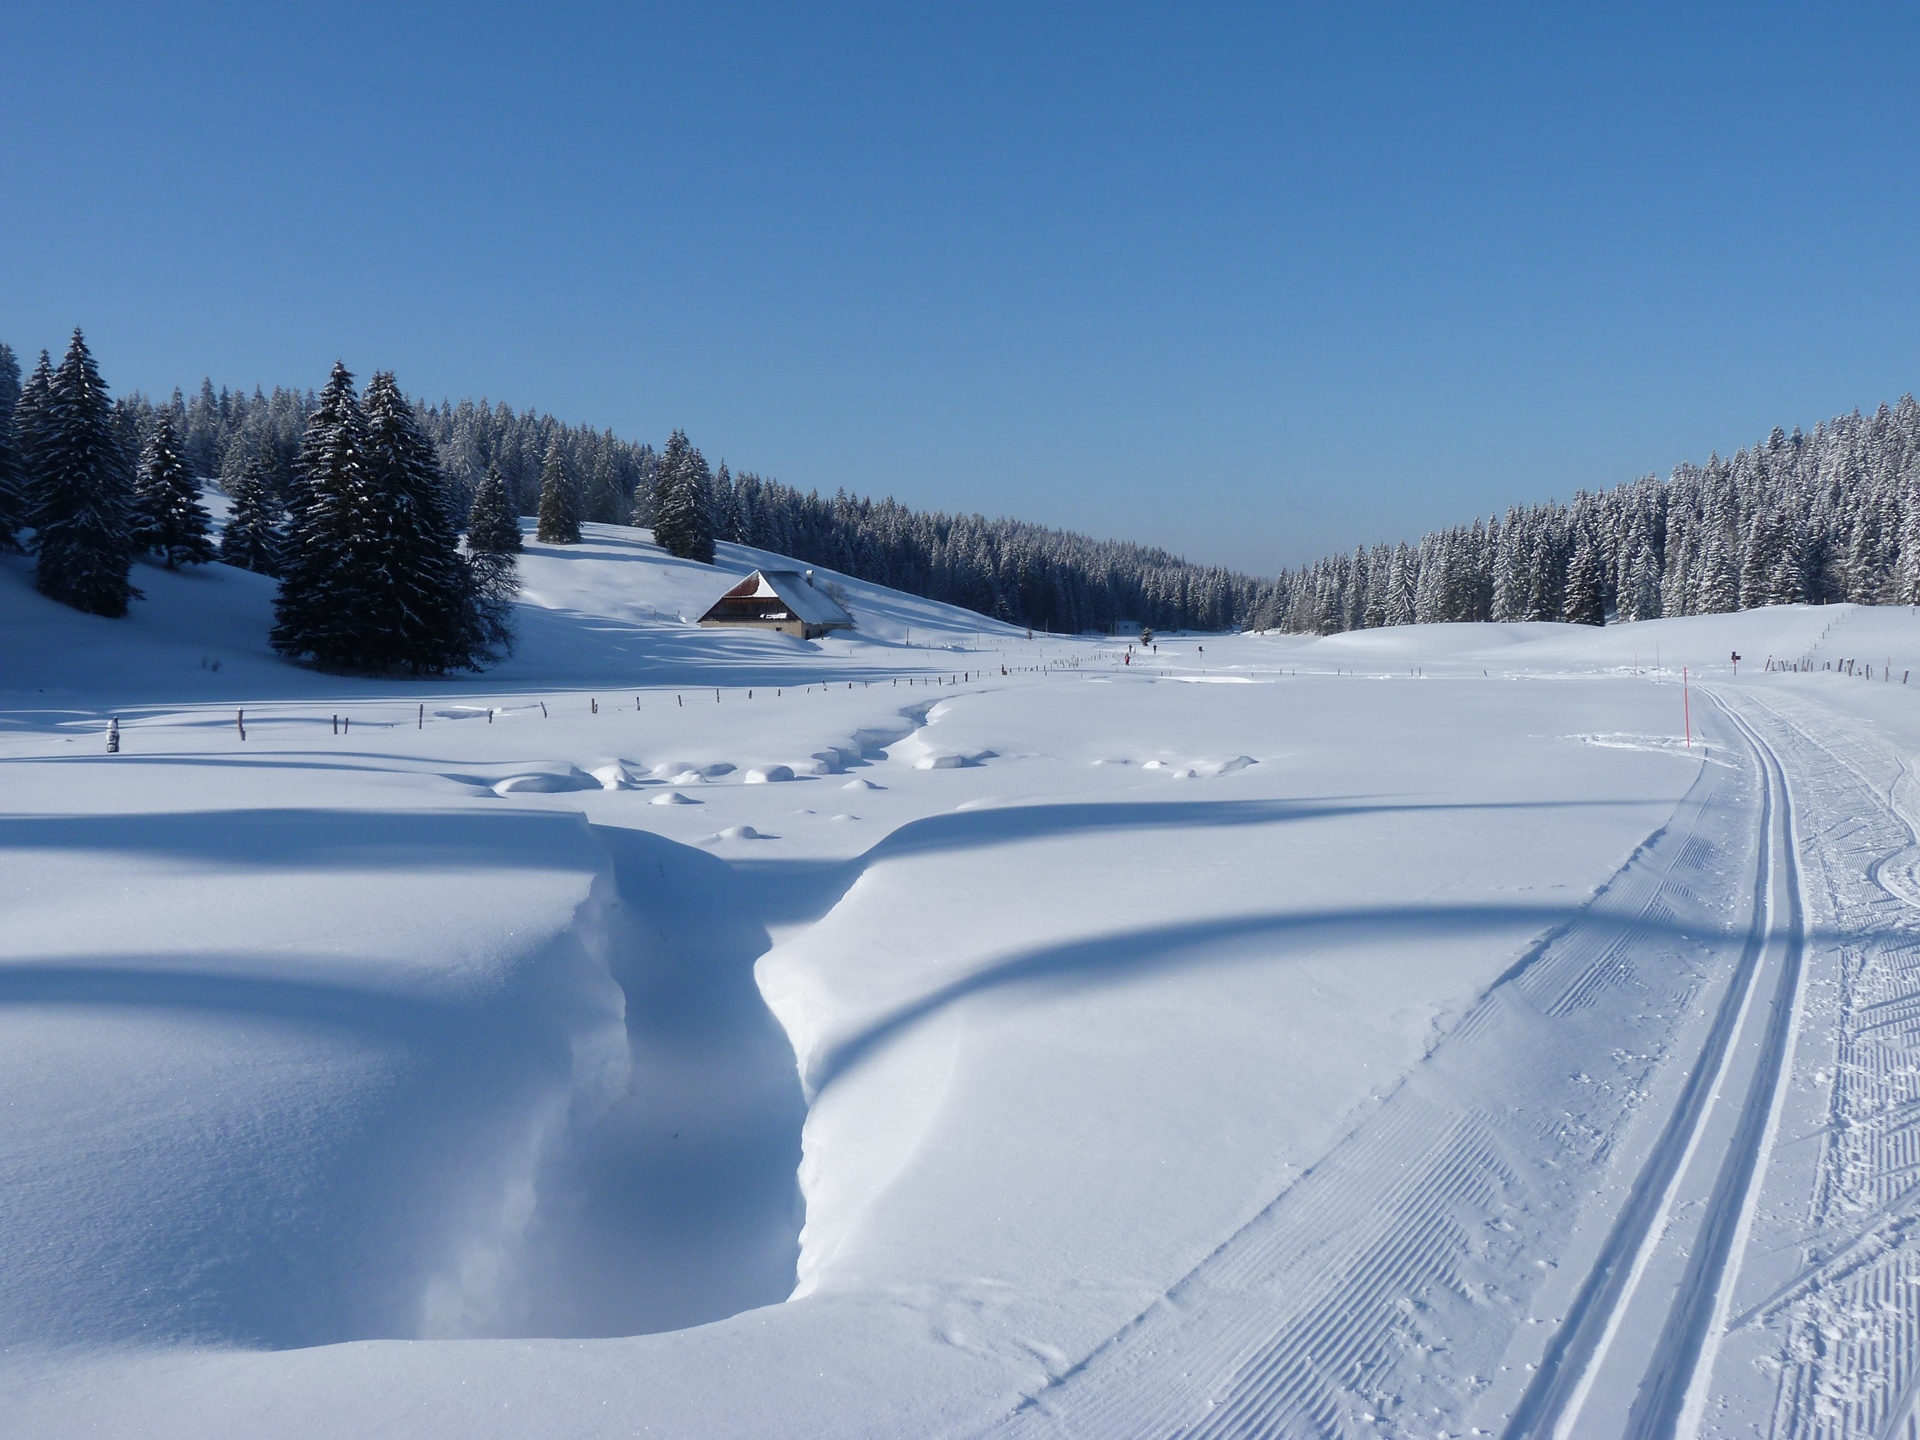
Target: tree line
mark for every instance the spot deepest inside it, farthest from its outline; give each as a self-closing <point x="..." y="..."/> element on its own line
<point x="1025" y="574"/>
<point x="1822" y="518"/>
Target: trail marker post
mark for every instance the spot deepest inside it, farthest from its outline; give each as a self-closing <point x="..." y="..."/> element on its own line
<point x="1686" y="705"/>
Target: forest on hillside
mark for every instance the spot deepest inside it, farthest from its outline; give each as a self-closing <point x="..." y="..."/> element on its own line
<point x="1822" y="517"/>
<point x="1819" y="519"/>
<point x="1025" y="574"/>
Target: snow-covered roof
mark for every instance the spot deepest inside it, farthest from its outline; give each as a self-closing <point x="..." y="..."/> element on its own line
<point x="792" y="589"/>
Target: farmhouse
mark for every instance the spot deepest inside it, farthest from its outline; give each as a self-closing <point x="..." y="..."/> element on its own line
<point x="783" y="600"/>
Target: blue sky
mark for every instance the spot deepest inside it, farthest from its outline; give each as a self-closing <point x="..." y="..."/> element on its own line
<point x="1247" y="281"/>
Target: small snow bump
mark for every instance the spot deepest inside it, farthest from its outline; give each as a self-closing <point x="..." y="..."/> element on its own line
<point x="769" y="774"/>
<point x="859" y="784"/>
<point x="673" y="797"/>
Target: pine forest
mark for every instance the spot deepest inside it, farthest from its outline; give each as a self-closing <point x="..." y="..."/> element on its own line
<point x="1819" y="518"/>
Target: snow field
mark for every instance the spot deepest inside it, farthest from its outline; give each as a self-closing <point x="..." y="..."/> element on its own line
<point x="1307" y="1091"/>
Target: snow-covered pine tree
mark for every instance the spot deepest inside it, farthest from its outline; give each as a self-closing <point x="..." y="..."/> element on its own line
<point x="1379" y="572"/>
<point x="492" y="527"/>
<point x="1400" y="586"/>
<point x="1906" y="575"/>
<point x="726" y="506"/>
<point x="322" y="608"/>
<point x="418" y="592"/>
<point x="559" y="505"/>
<point x="29" y="437"/>
<point x="169" y="518"/>
<point x="84" y="509"/>
<point x="1757" y="565"/>
<point x="13" y="498"/>
<point x="1585" y="602"/>
<point x="1786" y="577"/>
<point x="1356" y="617"/>
<point x="683" y="517"/>
<point x="493" y="579"/>
<point x="319" y="445"/>
<point x="252" y="539"/>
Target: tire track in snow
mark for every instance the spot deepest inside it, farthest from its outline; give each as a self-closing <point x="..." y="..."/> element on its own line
<point x="1391" y="1281"/>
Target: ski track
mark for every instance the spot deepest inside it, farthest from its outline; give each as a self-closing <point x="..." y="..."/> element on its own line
<point x="1394" y="1286"/>
<point x="1399" y="1284"/>
<point x="1845" y="1325"/>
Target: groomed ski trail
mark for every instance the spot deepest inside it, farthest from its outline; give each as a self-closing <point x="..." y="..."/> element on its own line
<point x="1833" y="1306"/>
<point x="1395" y="1285"/>
<point x="1715" y="1144"/>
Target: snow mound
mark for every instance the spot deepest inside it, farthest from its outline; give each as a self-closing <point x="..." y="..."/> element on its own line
<point x="613" y="775"/>
<point x="859" y="784"/>
<point x="741" y="832"/>
<point x="674" y="797"/>
<point x="768" y="775"/>
<point x="1223" y="767"/>
<point x="684" y="772"/>
<point x="547" y="782"/>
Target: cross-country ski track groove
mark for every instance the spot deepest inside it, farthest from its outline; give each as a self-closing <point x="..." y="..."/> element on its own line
<point x="1403" y="1280"/>
<point x="1757" y="1012"/>
<point x="1838" y="1317"/>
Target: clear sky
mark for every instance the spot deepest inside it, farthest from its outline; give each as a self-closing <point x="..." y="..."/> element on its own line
<point x="1248" y="281"/>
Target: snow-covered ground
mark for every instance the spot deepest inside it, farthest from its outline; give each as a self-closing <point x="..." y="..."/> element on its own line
<point x="937" y="1030"/>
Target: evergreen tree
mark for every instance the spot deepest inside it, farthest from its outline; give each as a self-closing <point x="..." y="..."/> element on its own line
<point x="169" y="518"/>
<point x="319" y="445"/>
<point x="492" y="527"/>
<point x="84" y="514"/>
<point x="1718" y="592"/>
<point x="559" y="504"/>
<point x="416" y="593"/>
<point x="683" y="515"/>
<point x="321" y="610"/>
<point x="1400" y="587"/>
<point x="13" y="497"/>
<point x="30" y="438"/>
<point x="1585" y="603"/>
<point x="1907" y="571"/>
<point x="252" y="539"/>
<point x="1757" y="568"/>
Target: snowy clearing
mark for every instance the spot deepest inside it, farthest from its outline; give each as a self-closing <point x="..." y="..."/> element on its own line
<point x="691" y="1032"/>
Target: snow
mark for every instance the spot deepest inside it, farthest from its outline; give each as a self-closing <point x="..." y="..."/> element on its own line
<point x="464" y="1074"/>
